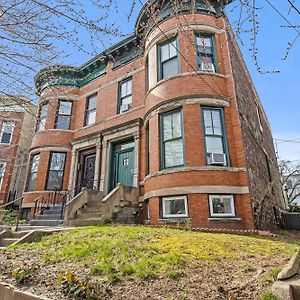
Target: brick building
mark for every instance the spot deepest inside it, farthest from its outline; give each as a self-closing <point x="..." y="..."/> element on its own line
<point x="172" y="111"/>
<point x="17" y="121"/>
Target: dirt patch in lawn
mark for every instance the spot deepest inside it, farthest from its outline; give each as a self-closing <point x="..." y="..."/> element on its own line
<point x="149" y="263"/>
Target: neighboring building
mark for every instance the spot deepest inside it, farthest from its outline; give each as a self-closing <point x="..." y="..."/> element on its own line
<point x="17" y="122"/>
<point x="172" y="111"/>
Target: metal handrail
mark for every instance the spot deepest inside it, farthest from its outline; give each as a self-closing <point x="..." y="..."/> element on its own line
<point x="11" y="202"/>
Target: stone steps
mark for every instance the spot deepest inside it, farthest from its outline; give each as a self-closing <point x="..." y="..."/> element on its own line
<point x="5" y="242"/>
<point x="42" y="222"/>
<point x="86" y="222"/>
<point x="92" y="215"/>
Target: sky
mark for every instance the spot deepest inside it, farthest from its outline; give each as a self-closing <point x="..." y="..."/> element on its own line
<point x="278" y="91"/>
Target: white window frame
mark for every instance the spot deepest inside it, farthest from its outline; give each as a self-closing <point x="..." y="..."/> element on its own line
<point x="3" y="173"/>
<point x="211" y="197"/>
<point x="176" y="215"/>
<point x="12" y="124"/>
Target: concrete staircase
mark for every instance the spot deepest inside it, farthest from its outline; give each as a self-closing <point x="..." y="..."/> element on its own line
<point x="92" y="208"/>
<point x="8" y="238"/>
<point x="50" y="217"/>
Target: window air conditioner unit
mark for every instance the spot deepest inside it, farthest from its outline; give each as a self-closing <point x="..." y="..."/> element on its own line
<point x="125" y="107"/>
<point x="216" y="159"/>
<point x="207" y="67"/>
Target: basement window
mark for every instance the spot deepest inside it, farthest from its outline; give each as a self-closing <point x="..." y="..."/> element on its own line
<point x="221" y="206"/>
<point x="174" y="207"/>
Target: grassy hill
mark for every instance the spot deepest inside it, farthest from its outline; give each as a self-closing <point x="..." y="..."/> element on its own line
<point x="115" y="262"/>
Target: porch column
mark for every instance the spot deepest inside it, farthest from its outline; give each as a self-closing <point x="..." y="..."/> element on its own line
<point x="136" y="159"/>
<point x="97" y="166"/>
<point x="103" y="166"/>
<point x="74" y="162"/>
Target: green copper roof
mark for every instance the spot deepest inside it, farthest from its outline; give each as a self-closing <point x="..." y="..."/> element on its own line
<point x="124" y="51"/>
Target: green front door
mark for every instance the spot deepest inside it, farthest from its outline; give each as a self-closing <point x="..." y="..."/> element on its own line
<point x="123" y="164"/>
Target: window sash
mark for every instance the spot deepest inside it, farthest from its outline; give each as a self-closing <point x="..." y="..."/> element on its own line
<point x="214" y="131"/>
<point x="2" y="172"/>
<point x="34" y="165"/>
<point x="63" y="119"/>
<point x="172" y="145"/>
<point x="167" y="207"/>
<point x="91" y="110"/>
<point x="168" y="59"/>
<point x="41" y="124"/>
<point x="56" y="171"/>
<point x="7" y="132"/>
<point x="205" y="52"/>
<point x="228" y="208"/>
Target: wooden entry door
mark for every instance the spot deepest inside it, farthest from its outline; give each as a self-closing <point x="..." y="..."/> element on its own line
<point x="86" y="170"/>
<point x="123" y="164"/>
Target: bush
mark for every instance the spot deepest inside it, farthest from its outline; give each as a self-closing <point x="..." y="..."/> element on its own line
<point x="9" y="217"/>
<point x="268" y="295"/>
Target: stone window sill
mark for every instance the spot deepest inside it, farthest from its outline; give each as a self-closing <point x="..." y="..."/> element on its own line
<point x="174" y="220"/>
<point x="224" y="219"/>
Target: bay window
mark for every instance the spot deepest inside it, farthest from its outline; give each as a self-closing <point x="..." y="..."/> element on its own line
<point x="64" y="113"/>
<point x="215" y="138"/>
<point x="41" y="125"/>
<point x="34" y="165"/>
<point x="168" y="59"/>
<point x="172" y="147"/>
<point x="206" y="58"/>
<point x="56" y="171"/>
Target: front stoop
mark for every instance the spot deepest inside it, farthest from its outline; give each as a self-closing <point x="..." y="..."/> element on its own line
<point x="287" y="286"/>
<point x="9" y="292"/>
<point x="8" y="238"/>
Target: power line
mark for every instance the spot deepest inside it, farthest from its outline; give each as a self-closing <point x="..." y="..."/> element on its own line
<point x="294" y="7"/>
<point x="293" y="26"/>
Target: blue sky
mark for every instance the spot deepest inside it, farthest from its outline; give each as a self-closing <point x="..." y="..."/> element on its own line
<point x="278" y="91"/>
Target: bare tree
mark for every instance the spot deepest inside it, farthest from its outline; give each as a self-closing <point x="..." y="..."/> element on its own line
<point x="290" y="179"/>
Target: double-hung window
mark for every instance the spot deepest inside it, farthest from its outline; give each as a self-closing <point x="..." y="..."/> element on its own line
<point x="2" y="172"/>
<point x="64" y="113"/>
<point x="125" y="95"/>
<point x="174" y="207"/>
<point x="221" y="206"/>
<point x="34" y="166"/>
<point x="56" y="171"/>
<point x="90" y="113"/>
<point x="206" y="58"/>
<point x="7" y="131"/>
<point x="215" y="139"/>
<point x="168" y="59"/>
<point x="41" y="125"/>
<point x="172" y="148"/>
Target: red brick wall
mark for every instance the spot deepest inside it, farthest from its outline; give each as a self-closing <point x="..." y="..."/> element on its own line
<point x="184" y="86"/>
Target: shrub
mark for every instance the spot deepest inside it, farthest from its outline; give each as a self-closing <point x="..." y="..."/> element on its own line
<point x="9" y="217"/>
<point x="268" y="295"/>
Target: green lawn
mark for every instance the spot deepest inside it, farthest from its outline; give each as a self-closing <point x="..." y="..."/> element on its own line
<point x="142" y="252"/>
